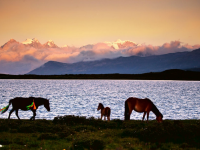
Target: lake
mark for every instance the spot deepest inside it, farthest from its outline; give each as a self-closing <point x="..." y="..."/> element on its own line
<point x="174" y="99"/>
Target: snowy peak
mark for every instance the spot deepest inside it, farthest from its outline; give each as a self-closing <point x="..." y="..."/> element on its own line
<point x="33" y="43"/>
<point x="30" y="41"/>
<point x="65" y="46"/>
<point x="27" y="41"/>
<point x="121" y="44"/>
<point x="36" y="44"/>
<point x="118" y="44"/>
<point x="50" y="44"/>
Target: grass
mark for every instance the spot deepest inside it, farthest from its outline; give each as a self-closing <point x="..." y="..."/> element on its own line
<point x="79" y="133"/>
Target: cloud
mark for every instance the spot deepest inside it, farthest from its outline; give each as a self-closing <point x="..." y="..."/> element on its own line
<point x="23" y="66"/>
<point x="147" y="50"/>
<point x="17" y="58"/>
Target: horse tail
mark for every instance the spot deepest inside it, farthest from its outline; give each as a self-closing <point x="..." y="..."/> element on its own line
<point x="4" y="109"/>
<point x="126" y="113"/>
<point x="109" y="111"/>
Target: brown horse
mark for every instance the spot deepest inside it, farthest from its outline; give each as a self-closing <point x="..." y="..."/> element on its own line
<point x="104" y="111"/>
<point x="30" y="103"/>
<point x="141" y="105"/>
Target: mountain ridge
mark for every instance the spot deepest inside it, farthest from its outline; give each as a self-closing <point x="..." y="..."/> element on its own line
<point x="124" y="65"/>
<point x="31" y="43"/>
<point x="50" y="44"/>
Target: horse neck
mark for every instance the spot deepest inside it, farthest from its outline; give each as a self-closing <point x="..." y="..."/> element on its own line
<point x="155" y="111"/>
<point x="38" y="101"/>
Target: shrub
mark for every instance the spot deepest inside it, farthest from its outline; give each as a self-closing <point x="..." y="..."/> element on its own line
<point x="128" y="133"/>
<point x="88" y="143"/>
<point x="13" y="130"/>
<point x="33" y="143"/>
<point x="69" y="120"/>
<point x="47" y="136"/>
<point x="26" y="128"/>
<point x="84" y="128"/>
<point x="20" y="141"/>
<point x="3" y="127"/>
<point x="5" y="141"/>
<point x="66" y="133"/>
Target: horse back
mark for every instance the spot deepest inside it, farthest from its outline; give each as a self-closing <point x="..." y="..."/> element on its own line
<point x="21" y="102"/>
<point x="107" y="111"/>
<point x="139" y="105"/>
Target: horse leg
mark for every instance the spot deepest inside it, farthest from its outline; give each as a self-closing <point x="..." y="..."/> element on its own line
<point x="143" y="116"/>
<point x="108" y="118"/>
<point x="147" y="116"/>
<point x="16" y="112"/>
<point x="101" y="116"/>
<point x="10" y="113"/>
<point x="104" y="117"/>
<point x="34" y="114"/>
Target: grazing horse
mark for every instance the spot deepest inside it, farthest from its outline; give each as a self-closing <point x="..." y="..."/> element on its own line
<point x="30" y="103"/>
<point x="104" y="111"/>
<point x="141" y="105"/>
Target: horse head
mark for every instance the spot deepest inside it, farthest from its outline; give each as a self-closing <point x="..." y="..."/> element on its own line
<point x="100" y="106"/>
<point x="159" y="118"/>
<point x="46" y="104"/>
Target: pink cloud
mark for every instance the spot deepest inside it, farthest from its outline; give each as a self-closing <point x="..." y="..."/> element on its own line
<point x="17" y="58"/>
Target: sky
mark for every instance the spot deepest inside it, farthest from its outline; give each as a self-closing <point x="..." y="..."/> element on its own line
<point x="82" y="22"/>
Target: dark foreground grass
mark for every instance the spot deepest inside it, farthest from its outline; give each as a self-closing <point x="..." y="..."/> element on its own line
<point x="73" y="132"/>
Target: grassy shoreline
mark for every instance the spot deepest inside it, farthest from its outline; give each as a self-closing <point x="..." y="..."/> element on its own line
<point x="74" y="132"/>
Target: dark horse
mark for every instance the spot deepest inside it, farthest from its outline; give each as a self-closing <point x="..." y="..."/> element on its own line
<point x="104" y="111"/>
<point x="25" y="104"/>
<point x="141" y="105"/>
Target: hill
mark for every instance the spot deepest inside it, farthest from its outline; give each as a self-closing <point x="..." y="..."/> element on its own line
<point x="124" y="65"/>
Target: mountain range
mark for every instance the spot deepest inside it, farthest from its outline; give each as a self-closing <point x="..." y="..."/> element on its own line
<point x="50" y="44"/>
<point x="29" y="43"/>
<point x="124" y="65"/>
<point x="104" y="57"/>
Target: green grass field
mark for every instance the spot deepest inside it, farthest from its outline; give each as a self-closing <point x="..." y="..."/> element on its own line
<point x="74" y="132"/>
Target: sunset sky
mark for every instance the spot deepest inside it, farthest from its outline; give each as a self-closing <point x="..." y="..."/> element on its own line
<point x="81" y="22"/>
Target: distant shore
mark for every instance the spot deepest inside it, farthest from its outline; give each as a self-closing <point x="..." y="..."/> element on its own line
<point x="173" y="74"/>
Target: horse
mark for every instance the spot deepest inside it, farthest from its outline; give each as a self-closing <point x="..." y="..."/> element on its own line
<point x="104" y="111"/>
<point x="141" y="105"/>
<point x="23" y="103"/>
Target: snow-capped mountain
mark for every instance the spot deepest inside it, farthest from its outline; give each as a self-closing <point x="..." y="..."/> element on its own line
<point x="33" y="43"/>
<point x="27" y="43"/>
<point x="121" y="44"/>
<point x="50" y="44"/>
<point x="30" y="41"/>
<point x="36" y="44"/>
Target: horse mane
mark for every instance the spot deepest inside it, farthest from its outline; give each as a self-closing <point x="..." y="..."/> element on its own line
<point x="100" y="104"/>
<point x="40" y="98"/>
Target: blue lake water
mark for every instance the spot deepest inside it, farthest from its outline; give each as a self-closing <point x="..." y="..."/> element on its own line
<point x="174" y="99"/>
